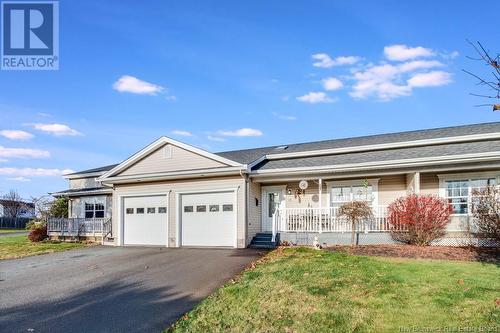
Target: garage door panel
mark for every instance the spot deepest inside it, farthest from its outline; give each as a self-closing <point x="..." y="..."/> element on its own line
<point x="208" y="219"/>
<point x="145" y="220"/>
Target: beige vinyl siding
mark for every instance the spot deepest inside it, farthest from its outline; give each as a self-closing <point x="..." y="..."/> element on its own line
<point x="173" y="188"/>
<point x="179" y="160"/>
<point x="83" y="183"/>
<point x="390" y="188"/>
<point x="254" y="210"/>
<point x="309" y="199"/>
<point x="429" y="184"/>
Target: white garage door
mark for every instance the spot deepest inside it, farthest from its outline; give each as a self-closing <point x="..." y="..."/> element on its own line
<point x="145" y="220"/>
<point x="208" y="219"/>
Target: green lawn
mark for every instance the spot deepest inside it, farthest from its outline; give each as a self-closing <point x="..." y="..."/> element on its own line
<point x="304" y="290"/>
<point x="20" y="246"/>
<point x="8" y="231"/>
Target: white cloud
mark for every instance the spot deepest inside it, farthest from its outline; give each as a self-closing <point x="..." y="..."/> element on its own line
<point x="19" y="179"/>
<point x="23" y="153"/>
<point x="171" y="98"/>
<point x="16" y="134"/>
<point x="332" y="83"/>
<point x="34" y="172"/>
<point x="315" y="97"/>
<point x="57" y="129"/>
<point x="133" y="85"/>
<point x="431" y="79"/>
<point x="323" y="60"/>
<point x="181" y="133"/>
<point x="3" y="160"/>
<point x="402" y="52"/>
<point x="215" y="138"/>
<point x="387" y="81"/>
<point x="242" y="132"/>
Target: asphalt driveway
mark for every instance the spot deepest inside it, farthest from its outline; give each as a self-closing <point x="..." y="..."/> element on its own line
<point x="107" y="289"/>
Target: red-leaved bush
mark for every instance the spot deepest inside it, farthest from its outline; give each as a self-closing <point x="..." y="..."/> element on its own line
<point x="38" y="231"/>
<point x="418" y="219"/>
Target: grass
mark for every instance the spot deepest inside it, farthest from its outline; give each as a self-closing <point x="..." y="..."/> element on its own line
<point x="8" y="231"/>
<point x="304" y="290"/>
<point x="20" y="246"/>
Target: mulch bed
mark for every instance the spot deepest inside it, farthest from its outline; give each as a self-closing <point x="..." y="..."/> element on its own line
<point x="489" y="255"/>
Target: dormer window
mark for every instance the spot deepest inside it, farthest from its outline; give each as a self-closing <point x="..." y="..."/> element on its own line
<point x="167" y="151"/>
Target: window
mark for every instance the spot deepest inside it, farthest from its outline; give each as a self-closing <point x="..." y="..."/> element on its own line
<point x="94" y="210"/>
<point x="162" y="210"/>
<point x="201" y="209"/>
<point x="151" y="210"/>
<point x="227" y="208"/>
<point x="139" y="211"/>
<point x="129" y="211"/>
<point x="188" y="209"/>
<point x="343" y="194"/>
<point x="459" y="192"/>
<point x="213" y="208"/>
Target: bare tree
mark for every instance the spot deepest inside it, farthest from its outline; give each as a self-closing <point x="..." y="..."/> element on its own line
<point x="13" y="205"/>
<point x="42" y="206"/>
<point x="355" y="212"/>
<point x="490" y="84"/>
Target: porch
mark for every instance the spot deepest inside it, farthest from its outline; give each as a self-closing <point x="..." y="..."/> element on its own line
<point x="79" y="227"/>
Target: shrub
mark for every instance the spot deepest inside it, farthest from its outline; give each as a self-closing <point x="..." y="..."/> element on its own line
<point x="38" y="231"/>
<point x="355" y="212"/>
<point x="486" y="212"/>
<point x="418" y="219"/>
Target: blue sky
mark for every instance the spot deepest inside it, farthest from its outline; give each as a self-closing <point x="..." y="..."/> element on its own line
<point x="227" y="75"/>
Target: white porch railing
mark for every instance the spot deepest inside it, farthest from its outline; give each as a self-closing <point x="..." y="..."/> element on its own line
<point x="78" y="226"/>
<point x="325" y="220"/>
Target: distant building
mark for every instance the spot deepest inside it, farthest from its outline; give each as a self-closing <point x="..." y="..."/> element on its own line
<point x="27" y="210"/>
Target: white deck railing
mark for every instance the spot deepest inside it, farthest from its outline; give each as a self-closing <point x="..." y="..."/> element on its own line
<point x="326" y="220"/>
<point x="78" y="226"/>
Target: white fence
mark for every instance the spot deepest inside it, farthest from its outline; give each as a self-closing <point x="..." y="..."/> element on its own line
<point x="78" y="226"/>
<point x="326" y="220"/>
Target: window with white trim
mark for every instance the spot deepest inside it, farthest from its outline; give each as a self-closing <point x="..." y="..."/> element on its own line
<point x="94" y="210"/>
<point x="341" y="194"/>
<point x="459" y="192"/>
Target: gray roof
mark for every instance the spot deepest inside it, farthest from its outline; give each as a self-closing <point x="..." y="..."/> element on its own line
<point x="383" y="155"/>
<point x="80" y="190"/>
<point x="249" y="155"/>
<point x="246" y="156"/>
<point x="100" y="169"/>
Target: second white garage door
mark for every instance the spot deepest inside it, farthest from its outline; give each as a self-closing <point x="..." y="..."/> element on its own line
<point x="145" y="220"/>
<point x="208" y="219"/>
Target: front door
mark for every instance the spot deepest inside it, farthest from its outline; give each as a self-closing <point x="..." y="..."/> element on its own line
<point x="272" y="197"/>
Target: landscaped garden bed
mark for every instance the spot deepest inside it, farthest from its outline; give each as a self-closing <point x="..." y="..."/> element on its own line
<point x="306" y="290"/>
<point x="491" y="255"/>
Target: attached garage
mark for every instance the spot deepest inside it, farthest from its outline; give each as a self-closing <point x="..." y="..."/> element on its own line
<point x="145" y="220"/>
<point x="208" y="219"/>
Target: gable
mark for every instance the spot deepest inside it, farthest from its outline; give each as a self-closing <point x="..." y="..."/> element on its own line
<point x="178" y="159"/>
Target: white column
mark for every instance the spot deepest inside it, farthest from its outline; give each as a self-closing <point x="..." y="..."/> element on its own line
<point x="320" y="192"/>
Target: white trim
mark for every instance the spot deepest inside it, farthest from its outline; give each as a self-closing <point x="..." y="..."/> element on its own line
<point x="265" y="205"/>
<point x="178" y="211"/>
<point x="383" y="146"/>
<point x="121" y="215"/>
<point x="353" y="182"/>
<point x="157" y="144"/>
<point x="263" y="179"/>
<point x="221" y="171"/>
<point x="412" y="162"/>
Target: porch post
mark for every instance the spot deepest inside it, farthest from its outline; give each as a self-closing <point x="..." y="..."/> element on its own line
<point x="320" y="192"/>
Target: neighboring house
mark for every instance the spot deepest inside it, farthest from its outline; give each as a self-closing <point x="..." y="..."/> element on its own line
<point x="27" y="209"/>
<point x="173" y="194"/>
